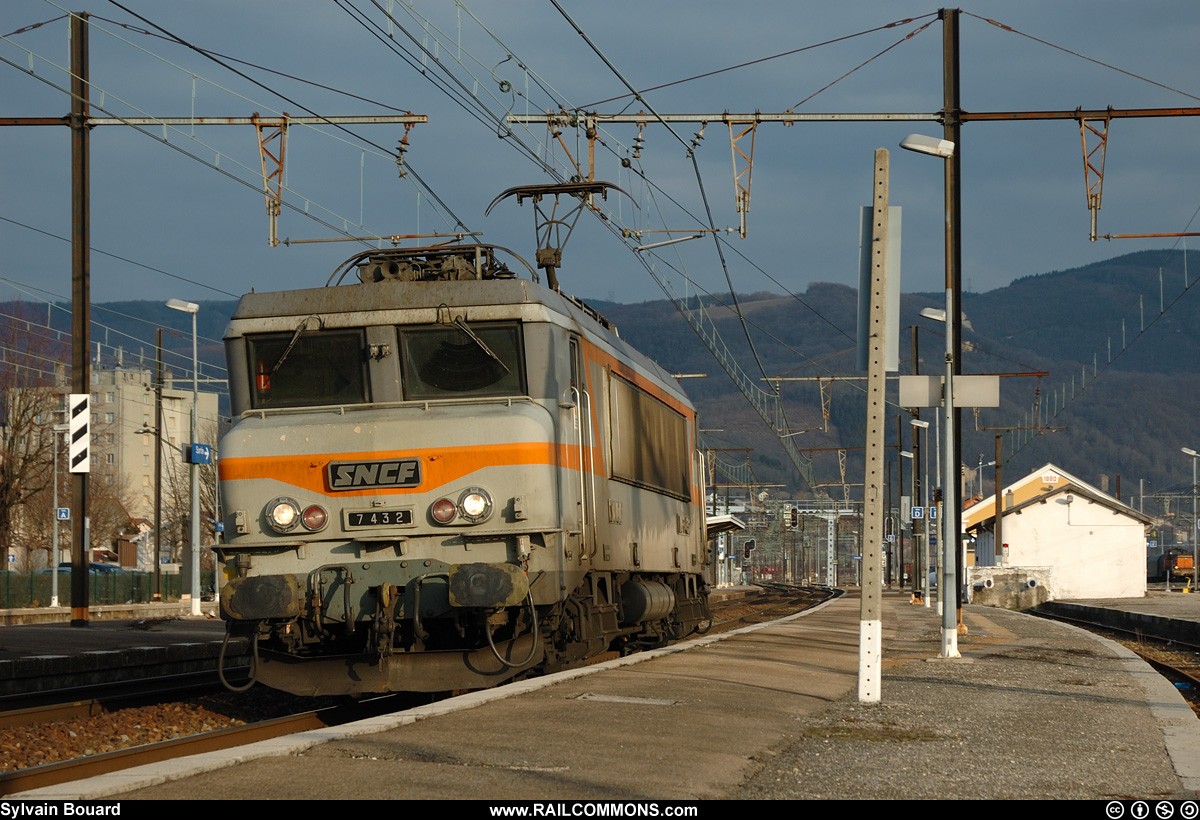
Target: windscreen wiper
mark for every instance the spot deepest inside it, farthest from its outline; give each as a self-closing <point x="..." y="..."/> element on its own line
<point x="300" y="329"/>
<point x="461" y="324"/>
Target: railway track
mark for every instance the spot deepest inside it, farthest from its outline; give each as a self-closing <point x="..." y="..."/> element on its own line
<point x="89" y="766"/>
<point x="81" y="707"/>
<point x="775" y="601"/>
<point x="89" y="701"/>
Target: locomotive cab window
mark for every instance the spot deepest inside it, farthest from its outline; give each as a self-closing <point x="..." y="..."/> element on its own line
<point x="462" y="360"/>
<point x="307" y="368"/>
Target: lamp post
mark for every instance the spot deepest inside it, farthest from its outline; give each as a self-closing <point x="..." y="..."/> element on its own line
<point x="921" y="554"/>
<point x="945" y="149"/>
<point x="1195" y="536"/>
<point x="979" y="473"/>
<point x="58" y="430"/>
<point x="193" y="308"/>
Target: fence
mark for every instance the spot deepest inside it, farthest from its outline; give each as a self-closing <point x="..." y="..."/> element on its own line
<point x="23" y="589"/>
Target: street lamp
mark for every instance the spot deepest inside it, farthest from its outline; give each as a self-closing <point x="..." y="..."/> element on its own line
<point x="920" y="479"/>
<point x="193" y="308"/>
<point x="952" y="316"/>
<point x="979" y="473"/>
<point x="928" y="145"/>
<point x="57" y="430"/>
<point x="1195" y="536"/>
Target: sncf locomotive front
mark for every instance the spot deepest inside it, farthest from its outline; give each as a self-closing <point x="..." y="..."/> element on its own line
<point x="423" y="487"/>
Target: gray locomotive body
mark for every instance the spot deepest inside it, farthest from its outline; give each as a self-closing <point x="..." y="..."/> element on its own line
<point x="442" y="477"/>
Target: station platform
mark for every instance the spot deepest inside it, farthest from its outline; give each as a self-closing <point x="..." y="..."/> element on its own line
<point x="1166" y="615"/>
<point x="40" y="649"/>
<point x="1033" y="709"/>
<point x="133" y="642"/>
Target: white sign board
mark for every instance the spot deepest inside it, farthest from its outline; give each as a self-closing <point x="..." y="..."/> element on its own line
<point x="969" y="391"/>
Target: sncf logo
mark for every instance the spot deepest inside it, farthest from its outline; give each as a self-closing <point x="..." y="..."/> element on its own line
<point x="404" y="472"/>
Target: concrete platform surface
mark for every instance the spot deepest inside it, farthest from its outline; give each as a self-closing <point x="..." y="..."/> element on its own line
<point x="1033" y="709"/>
<point x="1177" y="605"/>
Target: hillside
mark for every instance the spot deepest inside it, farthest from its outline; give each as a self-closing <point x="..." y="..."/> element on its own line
<point x="1130" y="421"/>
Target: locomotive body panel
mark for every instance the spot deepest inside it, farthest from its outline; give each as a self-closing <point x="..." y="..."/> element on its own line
<point x="450" y="483"/>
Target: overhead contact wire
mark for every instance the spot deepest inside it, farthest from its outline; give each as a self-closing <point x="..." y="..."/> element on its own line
<point x="482" y="114"/>
<point x="695" y="165"/>
<point x="290" y="101"/>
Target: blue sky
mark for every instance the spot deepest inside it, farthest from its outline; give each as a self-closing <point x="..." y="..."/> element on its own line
<point x="1023" y="183"/>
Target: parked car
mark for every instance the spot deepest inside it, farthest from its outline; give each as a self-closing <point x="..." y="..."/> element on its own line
<point x="94" y="566"/>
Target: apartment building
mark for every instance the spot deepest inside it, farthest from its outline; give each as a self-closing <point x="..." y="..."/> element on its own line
<point x="123" y="431"/>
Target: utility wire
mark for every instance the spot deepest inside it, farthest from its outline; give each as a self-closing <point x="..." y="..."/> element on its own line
<point x="695" y="165"/>
<point x="429" y="190"/>
<point x="463" y="96"/>
<point x="248" y="64"/>
<point x="749" y="63"/>
<point x="257" y="188"/>
<point x="1109" y="66"/>
<point x="864" y="63"/>
<point x="119" y="258"/>
<point x="36" y="293"/>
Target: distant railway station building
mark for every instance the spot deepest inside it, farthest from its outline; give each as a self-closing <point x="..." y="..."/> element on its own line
<point x="1058" y="533"/>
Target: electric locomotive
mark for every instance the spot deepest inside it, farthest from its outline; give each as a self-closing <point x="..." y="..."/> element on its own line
<point x="443" y="476"/>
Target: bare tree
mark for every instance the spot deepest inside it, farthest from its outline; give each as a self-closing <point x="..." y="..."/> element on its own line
<point x="38" y="517"/>
<point x="109" y="499"/>
<point x="29" y="353"/>
<point x="177" y="501"/>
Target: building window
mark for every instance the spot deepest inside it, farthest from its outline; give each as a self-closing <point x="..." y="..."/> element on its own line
<point x="111" y="458"/>
<point x="109" y="418"/>
<point x="110" y="438"/>
<point x="110" y="397"/>
<point x="145" y="461"/>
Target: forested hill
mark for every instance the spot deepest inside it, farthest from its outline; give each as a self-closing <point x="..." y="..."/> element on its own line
<point x="1130" y="421"/>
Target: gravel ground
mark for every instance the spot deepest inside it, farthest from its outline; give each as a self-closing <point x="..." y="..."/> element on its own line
<point x="38" y="744"/>
<point x="25" y="746"/>
<point x="928" y="723"/>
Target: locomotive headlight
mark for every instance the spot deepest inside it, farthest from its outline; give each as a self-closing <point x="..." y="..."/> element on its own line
<point x="475" y="504"/>
<point x="283" y="514"/>
<point x="314" y="518"/>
